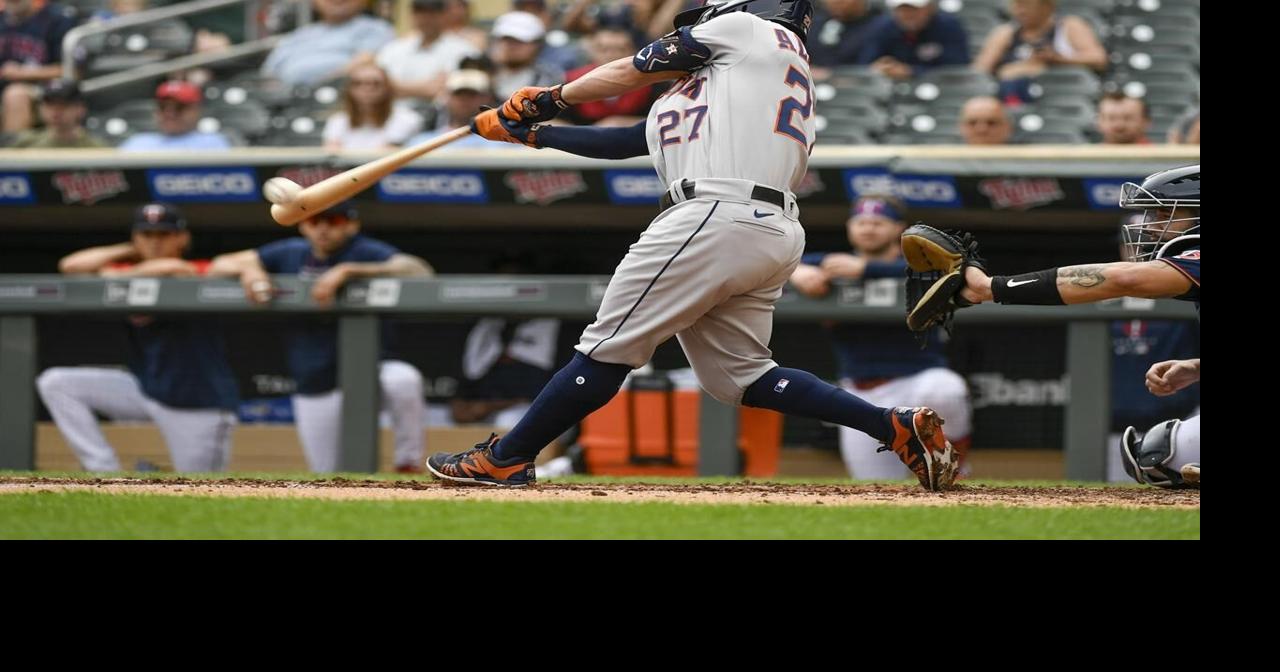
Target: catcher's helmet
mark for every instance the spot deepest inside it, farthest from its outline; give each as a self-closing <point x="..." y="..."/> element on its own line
<point x="794" y="14"/>
<point x="1170" y="200"/>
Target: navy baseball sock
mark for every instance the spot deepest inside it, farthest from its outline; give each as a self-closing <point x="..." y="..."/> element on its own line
<point x="581" y="387"/>
<point x="801" y="393"/>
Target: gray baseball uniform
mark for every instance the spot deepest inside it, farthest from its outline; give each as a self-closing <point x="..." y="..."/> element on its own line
<point x="709" y="269"/>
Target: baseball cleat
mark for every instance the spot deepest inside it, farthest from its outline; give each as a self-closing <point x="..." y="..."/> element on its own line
<point x="919" y="442"/>
<point x="479" y="466"/>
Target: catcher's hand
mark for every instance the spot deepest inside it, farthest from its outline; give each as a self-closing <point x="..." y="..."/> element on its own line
<point x="534" y="104"/>
<point x="493" y="126"/>
<point x="935" y="275"/>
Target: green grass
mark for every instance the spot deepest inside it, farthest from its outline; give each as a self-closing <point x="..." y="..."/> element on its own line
<point x="87" y="515"/>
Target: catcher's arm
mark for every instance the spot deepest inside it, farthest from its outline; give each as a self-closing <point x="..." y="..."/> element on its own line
<point x="1078" y="284"/>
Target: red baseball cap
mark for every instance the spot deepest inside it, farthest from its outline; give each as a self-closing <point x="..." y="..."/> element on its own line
<point x="183" y="92"/>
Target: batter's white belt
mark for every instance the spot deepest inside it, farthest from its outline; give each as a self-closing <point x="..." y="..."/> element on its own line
<point x="729" y="189"/>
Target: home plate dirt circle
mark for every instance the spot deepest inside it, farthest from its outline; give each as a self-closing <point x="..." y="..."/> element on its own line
<point x="746" y="492"/>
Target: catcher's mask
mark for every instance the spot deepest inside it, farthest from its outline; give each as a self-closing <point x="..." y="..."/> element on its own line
<point x="794" y="14"/>
<point x="1170" y="201"/>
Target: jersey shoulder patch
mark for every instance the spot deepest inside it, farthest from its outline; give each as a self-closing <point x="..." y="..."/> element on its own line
<point x="677" y="51"/>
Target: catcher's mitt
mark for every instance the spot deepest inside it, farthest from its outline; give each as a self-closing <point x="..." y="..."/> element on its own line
<point x="935" y="274"/>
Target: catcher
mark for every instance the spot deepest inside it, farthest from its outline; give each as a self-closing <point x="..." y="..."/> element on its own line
<point x="1164" y="250"/>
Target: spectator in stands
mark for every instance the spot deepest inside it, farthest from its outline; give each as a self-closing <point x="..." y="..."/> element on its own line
<point x="646" y="19"/>
<point x="328" y="48"/>
<point x="457" y="19"/>
<point x="517" y="39"/>
<point x="178" y="107"/>
<point x="914" y="38"/>
<point x="558" y="54"/>
<point x="419" y="62"/>
<point x="1186" y="129"/>
<point x="1037" y="39"/>
<point x="331" y="252"/>
<point x="468" y="90"/>
<point x="31" y="33"/>
<point x="178" y="377"/>
<point x="1123" y="120"/>
<point x="883" y="364"/>
<point x="62" y="111"/>
<point x="607" y="44"/>
<point x="370" y="119"/>
<point x="116" y="8"/>
<point x="983" y="121"/>
<point x="839" y="32"/>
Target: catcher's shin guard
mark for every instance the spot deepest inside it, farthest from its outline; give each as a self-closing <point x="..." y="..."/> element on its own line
<point x="1149" y="458"/>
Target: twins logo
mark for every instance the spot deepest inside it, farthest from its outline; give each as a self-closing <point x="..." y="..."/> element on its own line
<point x="89" y="186"/>
<point x="545" y="186"/>
<point x="153" y="213"/>
<point x="307" y="175"/>
<point x="1020" y="193"/>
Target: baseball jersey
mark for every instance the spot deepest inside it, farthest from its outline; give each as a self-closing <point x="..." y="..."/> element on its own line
<point x="182" y="363"/>
<point x="748" y="114"/>
<point x="313" y="345"/>
<point x="38" y="39"/>
<point x="1136" y="345"/>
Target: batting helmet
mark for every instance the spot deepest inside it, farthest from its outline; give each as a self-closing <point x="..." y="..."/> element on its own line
<point x="794" y="14"/>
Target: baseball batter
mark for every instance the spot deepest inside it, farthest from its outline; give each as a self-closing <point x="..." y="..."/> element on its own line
<point x="731" y="137"/>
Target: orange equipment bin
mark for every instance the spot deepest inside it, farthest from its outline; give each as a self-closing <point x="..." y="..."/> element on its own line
<point x="651" y="428"/>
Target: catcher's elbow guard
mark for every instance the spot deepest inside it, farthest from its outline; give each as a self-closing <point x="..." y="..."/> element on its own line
<point x="1149" y="458"/>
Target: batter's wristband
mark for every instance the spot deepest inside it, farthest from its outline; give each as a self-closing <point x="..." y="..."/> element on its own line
<point x="1029" y="289"/>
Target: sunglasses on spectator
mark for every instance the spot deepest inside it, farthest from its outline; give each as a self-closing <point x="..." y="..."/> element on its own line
<point x="367" y="82"/>
<point x="171" y="105"/>
<point x="981" y="122"/>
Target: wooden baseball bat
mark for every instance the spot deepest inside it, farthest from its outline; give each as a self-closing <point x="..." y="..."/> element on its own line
<point x="329" y="192"/>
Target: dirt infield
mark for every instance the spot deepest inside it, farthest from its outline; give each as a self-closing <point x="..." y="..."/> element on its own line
<point x="720" y="493"/>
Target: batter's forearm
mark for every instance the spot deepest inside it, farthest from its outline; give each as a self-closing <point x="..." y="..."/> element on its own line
<point x="596" y="142"/>
<point x="612" y="79"/>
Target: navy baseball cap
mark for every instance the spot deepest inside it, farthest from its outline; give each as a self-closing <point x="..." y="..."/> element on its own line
<point x="159" y="217"/>
<point x="61" y="91"/>
<point x="345" y="209"/>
